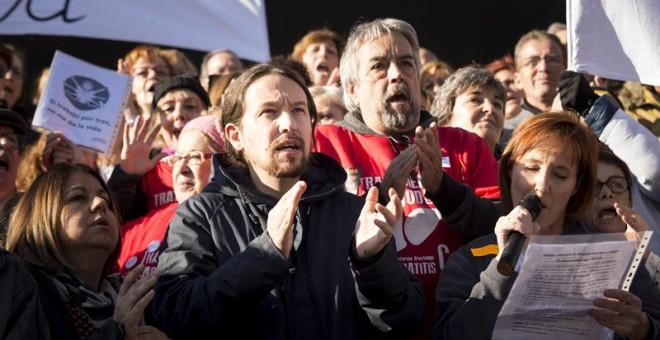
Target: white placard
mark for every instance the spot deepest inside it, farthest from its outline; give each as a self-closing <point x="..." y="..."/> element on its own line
<point x="83" y="101"/>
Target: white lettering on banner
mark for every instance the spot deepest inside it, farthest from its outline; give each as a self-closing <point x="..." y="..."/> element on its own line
<point x="163" y="198"/>
<point x="149" y="258"/>
<point x="426" y="264"/>
<point x="414" y="197"/>
<point x="237" y="25"/>
<point x="368" y="182"/>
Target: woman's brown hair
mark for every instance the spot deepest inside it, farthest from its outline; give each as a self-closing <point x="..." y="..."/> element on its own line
<point x="547" y="130"/>
<point x="36" y="221"/>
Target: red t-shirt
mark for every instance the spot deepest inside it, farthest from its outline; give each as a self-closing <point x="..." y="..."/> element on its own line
<point x="157" y="186"/>
<point x="423" y="240"/>
<point x="141" y="239"/>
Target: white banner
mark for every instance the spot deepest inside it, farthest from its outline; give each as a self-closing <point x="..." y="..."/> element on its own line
<point x="203" y="25"/>
<point x="616" y="39"/>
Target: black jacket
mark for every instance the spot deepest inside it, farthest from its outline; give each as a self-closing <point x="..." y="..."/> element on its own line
<point x="21" y="315"/>
<point x="224" y="277"/>
<point x="471" y="288"/>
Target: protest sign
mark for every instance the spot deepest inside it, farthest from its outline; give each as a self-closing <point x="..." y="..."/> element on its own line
<point x="83" y="101"/>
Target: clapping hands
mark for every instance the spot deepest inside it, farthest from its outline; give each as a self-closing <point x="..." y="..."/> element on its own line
<point x="375" y="226"/>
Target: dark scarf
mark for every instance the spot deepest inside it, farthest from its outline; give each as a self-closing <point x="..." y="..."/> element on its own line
<point x="88" y="310"/>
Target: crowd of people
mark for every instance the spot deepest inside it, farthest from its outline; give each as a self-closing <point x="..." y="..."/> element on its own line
<point x="359" y="188"/>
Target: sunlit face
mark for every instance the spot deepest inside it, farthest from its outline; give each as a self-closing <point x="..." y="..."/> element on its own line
<point x="86" y="218"/>
<point x="479" y="110"/>
<point x="387" y="89"/>
<point x="434" y="83"/>
<point x="514" y="94"/>
<point x="9" y="159"/>
<point x="176" y="109"/>
<point x="275" y="133"/>
<point x="605" y="216"/>
<point x="539" y="70"/>
<point x="551" y="173"/>
<point x="320" y="59"/>
<point x="328" y="110"/>
<point x="146" y="75"/>
<point x="11" y="86"/>
<point x="191" y="172"/>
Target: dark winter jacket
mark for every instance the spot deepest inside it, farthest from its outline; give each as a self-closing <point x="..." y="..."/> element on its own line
<point x="471" y="288"/>
<point x="21" y="315"/>
<point x="223" y="277"/>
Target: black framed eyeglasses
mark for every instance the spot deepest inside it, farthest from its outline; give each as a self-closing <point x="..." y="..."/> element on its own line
<point x="616" y="184"/>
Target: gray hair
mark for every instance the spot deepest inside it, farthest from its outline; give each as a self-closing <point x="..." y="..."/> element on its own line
<point x="363" y="33"/>
<point x="333" y="93"/>
<point x="458" y="83"/>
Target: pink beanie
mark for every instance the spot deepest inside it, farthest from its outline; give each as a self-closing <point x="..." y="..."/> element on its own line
<point x="210" y="126"/>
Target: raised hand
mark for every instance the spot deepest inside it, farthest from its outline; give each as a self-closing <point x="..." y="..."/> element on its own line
<point x="375" y="226"/>
<point x="398" y="171"/>
<point x="430" y="157"/>
<point x="138" y="140"/>
<point x="280" y="218"/>
<point x="333" y="79"/>
<point x="122" y="67"/>
<point x="134" y="296"/>
<point x="621" y="311"/>
<point x="631" y="218"/>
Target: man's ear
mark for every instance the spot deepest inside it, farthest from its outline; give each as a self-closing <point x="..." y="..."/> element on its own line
<point x="234" y="135"/>
<point x="351" y="90"/>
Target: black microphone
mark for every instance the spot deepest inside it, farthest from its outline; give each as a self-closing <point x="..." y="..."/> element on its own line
<point x="514" y="244"/>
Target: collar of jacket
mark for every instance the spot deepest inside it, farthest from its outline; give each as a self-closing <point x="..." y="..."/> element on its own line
<point x="324" y="176"/>
<point x="353" y="121"/>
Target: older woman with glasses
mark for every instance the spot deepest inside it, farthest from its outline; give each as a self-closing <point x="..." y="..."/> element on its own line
<point x="191" y="171"/>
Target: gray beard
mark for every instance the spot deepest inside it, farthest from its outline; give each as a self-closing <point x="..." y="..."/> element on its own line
<point x="395" y="119"/>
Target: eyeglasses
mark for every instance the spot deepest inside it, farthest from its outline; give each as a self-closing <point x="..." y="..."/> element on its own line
<point x="550" y="60"/>
<point x="616" y="184"/>
<point x="9" y="139"/>
<point x="194" y="158"/>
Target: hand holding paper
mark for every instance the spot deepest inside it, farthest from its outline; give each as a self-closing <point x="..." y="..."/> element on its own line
<point x="84" y="102"/>
<point x="621" y="312"/>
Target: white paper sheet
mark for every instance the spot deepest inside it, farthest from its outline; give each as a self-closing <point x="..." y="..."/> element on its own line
<point x="559" y="279"/>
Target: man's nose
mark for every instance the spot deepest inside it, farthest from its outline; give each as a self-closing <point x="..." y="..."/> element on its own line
<point x="286" y="122"/>
<point x="394" y="72"/>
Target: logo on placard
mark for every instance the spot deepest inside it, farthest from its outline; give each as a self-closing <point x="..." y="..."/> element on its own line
<point x="85" y="93"/>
